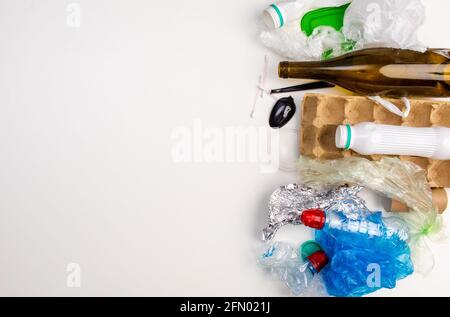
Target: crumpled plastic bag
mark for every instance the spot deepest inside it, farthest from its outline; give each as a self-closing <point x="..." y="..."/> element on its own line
<point x="355" y="269"/>
<point x="425" y="228"/>
<point x="283" y="262"/>
<point x="403" y="181"/>
<point x="355" y="273"/>
<point x="385" y="23"/>
<point x="291" y="42"/>
<point x="367" y="23"/>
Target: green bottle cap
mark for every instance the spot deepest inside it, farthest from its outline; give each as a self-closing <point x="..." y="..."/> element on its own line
<point x="309" y="248"/>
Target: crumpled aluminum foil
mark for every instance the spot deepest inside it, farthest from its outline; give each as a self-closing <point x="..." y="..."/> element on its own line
<point x="288" y="202"/>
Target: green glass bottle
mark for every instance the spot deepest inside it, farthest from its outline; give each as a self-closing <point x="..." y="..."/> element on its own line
<point x="381" y="71"/>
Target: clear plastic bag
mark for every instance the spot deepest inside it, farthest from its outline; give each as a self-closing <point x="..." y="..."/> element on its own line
<point x="384" y="23"/>
<point x="403" y="181"/>
<point x="367" y="23"/>
<point x="283" y="262"/>
<point x="290" y="42"/>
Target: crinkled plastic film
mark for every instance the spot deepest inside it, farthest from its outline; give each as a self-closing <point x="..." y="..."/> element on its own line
<point x="403" y="181"/>
<point x="291" y="42"/>
<point x="352" y="253"/>
<point x="283" y="262"/>
<point x="385" y="23"/>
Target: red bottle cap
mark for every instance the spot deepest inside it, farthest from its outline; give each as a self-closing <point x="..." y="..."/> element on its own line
<point x="313" y="218"/>
<point x="318" y="260"/>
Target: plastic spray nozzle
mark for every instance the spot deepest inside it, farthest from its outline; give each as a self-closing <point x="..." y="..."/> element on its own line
<point x="313" y="218"/>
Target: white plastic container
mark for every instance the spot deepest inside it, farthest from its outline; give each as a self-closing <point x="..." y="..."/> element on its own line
<point x="279" y="14"/>
<point x="370" y="139"/>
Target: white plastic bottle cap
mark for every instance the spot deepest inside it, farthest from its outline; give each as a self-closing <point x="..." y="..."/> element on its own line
<point x="273" y="17"/>
<point x="344" y="137"/>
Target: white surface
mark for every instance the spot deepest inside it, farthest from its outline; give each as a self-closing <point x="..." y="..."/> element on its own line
<point x="86" y="170"/>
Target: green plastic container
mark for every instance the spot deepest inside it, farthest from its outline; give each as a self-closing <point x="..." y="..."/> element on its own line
<point x="329" y="16"/>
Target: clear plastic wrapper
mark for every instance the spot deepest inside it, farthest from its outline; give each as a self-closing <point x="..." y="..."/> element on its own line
<point x="403" y="181"/>
<point x="384" y="23"/>
<point x="283" y="262"/>
<point x="367" y="23"/>
<point x="290" y="42"/>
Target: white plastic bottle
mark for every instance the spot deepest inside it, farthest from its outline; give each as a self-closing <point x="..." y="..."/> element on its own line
<point x="370" y="139"/>
<point x="279" y="14"/>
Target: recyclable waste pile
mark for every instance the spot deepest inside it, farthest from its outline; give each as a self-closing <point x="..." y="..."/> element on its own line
<point x="378" y="137"/>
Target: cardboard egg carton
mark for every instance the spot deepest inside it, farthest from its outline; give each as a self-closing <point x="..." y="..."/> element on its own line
<point x="322" y="114"/>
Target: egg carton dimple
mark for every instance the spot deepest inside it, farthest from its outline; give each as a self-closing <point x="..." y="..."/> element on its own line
<point x="322" y="114"/>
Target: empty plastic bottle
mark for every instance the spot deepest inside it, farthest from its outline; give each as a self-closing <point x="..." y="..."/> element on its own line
<point x="368" y="138"/>
<point x="373" y="225"/>
<point x="278" y="14"/>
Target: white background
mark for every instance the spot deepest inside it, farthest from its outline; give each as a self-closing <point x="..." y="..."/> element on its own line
<point x="86" y="168"/>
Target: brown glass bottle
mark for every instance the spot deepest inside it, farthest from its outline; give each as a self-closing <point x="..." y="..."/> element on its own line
<point x="381" y="71"/>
